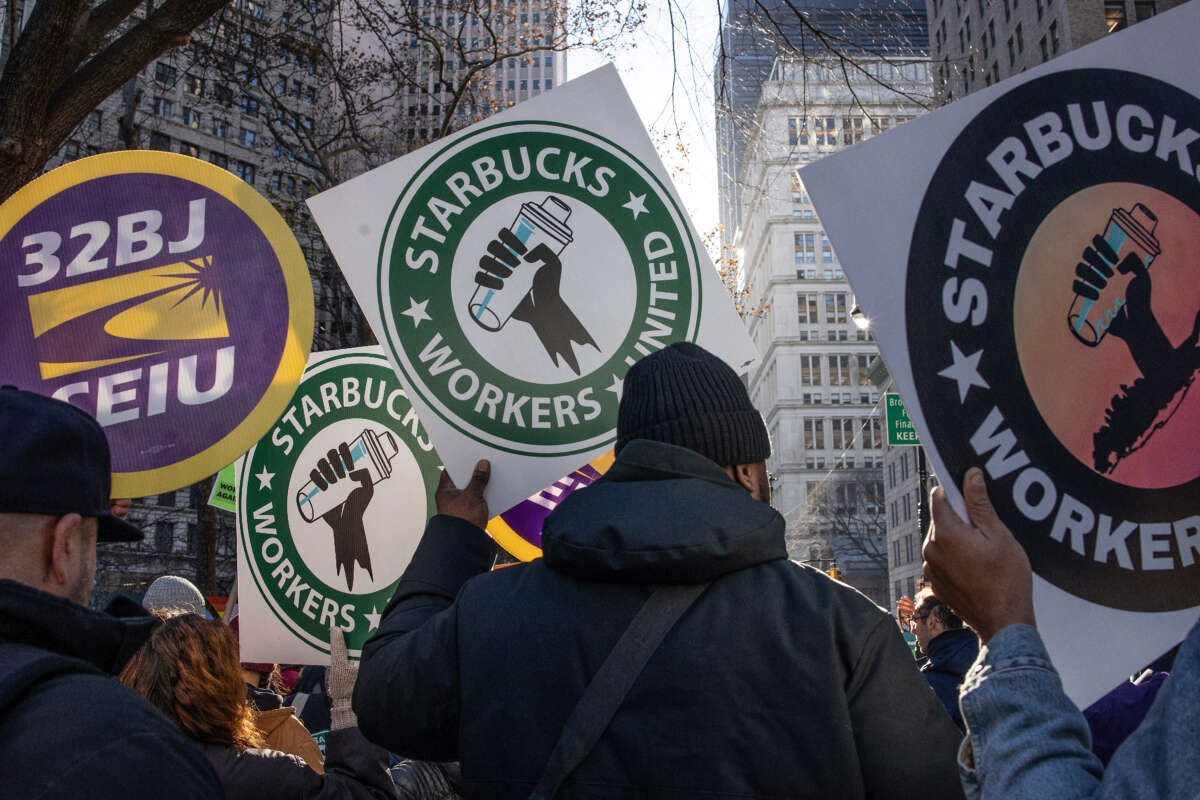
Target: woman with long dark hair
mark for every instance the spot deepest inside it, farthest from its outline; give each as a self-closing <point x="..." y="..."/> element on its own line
<point x="189" y="670"/>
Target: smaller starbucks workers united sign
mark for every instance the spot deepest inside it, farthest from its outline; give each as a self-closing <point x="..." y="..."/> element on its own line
<point x="331" y="505"/>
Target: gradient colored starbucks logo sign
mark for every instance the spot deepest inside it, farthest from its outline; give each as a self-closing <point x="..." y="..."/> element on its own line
<point x="332" y="502"/>
<point x="525" y="268"/>
<point x="162" y="295"/>
<point x="1053" y="267"/>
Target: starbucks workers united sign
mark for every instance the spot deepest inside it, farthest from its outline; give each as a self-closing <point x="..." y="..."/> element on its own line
<point x="516" y="270"/>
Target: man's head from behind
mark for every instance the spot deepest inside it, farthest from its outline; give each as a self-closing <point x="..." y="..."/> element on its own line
<point x="931" y="618"/>
<point x="55" y="483"/>
<point x="686" y="396"/>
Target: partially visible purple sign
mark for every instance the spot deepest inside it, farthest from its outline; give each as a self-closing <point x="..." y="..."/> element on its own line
<point x="519" y="529"/>
<point x="162" y="295"/>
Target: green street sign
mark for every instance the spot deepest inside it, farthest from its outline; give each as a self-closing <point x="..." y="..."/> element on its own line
<point x="224" y="491"/>
<point x="899" y="427"/>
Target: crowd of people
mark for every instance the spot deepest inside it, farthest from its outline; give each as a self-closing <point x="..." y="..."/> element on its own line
<point x="664" y="646"/>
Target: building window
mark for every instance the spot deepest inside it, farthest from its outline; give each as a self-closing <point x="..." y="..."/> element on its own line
<point x="1041" y="9"/>
<point x="814" y="434"/>
<point x="810" y="370"/>
<point x="245" y="171"/>
<point x="835" y="308"/>
<point x="164" y="107"/>
<point x="797" y="131"/>
<point x="839" y="371"/>
<point x="807" y="308"/>
<point x="95" y="119"/>
<point x="843" y="433"/>
<point x="1143" y="10"/>
<point x="219" y="159"/>
<point x="826" y="250"/>
<point x="896" y="553"/>
<point x="805" y="248"/>
<point x="1054" y="37"/>
<point x="904" y="465"/>
<point x="826" y="130"/>
<point x="852" y="130"/>
<point x="908" y="549"/>
<point x="220" y="128"/>
<point x="191" y="118"/>
<point x="249" y="104"/>
<point x="187" y="149"/>
<point x="164" y="74"/>
<point x="906" y="501"/>
<point x="247" y="137"/>
<point x="1020" y="39"/>
<point x="1007" y="11"/>
<point x="1114" y="15"/>
<point x="1012" y="52"/>
<point x="873" y="433"/>
<point x="1045" y="50"/>
<point x="164" y="537"/>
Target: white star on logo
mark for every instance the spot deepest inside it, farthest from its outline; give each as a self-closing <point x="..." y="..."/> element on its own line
<point x="636" y="204"/>
<point x="617" y="386"/>
<point x="372" y="619"/>
<point x="417" y="311"/>
<point x="264" y="478"/>
<point x="964" y="371"/>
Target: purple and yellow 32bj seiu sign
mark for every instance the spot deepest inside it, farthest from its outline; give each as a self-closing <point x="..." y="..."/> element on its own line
<point x="164" y="296"/>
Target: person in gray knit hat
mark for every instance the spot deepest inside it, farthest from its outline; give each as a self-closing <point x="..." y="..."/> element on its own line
<point x="776" y="681"/>
<point x="172" y="593"/>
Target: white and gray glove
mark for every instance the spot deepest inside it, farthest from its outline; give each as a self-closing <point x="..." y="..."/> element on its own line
<point x="339" y="681"/>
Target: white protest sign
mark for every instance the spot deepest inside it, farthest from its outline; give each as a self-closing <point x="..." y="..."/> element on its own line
<point x="331" y="505"/>
<point x="1030" y="273"/>
<point x="516" y="269"/>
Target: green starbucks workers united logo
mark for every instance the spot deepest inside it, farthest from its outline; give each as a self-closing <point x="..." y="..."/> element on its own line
<point x="525" y="268"/>
<point x="332" y="502"/>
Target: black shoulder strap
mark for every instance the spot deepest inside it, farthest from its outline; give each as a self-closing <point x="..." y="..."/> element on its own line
<point x="22" y="666"/>
<point x="612" y="682"/>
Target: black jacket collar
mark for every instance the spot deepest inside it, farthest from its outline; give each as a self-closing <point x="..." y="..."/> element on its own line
<point x="104" y="639"/>
<point x="661" y="514"/>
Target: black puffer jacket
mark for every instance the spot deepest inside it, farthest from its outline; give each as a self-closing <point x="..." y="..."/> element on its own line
<point x="77" y="732"/>
<point x="355" y="769"/>
<point x="777" y="682"/>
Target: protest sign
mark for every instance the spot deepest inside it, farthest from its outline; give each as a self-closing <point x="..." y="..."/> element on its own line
<point x="331" y="505"/>
<point x="162" y="295"/>
<point x="1030" y="276"/>
<point x="224" y="490"/>
<point x="519" y="529"/>
<point x="515" y="269"/>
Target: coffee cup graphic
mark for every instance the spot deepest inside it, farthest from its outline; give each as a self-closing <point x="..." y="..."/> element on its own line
<point x="1128" y="232"/>
<point x="535" y="224"/>
<point x="372" y="451"/>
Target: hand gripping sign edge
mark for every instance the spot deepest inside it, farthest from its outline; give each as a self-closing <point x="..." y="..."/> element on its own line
<point x="293" y="270"/>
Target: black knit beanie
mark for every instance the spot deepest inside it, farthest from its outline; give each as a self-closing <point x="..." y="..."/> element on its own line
<point x="686" y="396"/>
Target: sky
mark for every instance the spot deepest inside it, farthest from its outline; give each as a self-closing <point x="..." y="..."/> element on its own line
<point x="677" y="108"/>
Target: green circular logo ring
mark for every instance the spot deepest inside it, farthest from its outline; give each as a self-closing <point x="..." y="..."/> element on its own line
<point x="613" y="215"/>
<point x="285" y="525"/>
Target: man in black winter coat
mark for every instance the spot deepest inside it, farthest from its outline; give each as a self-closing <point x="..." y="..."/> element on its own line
<point x="776" y="682"/>
<point x="68" y="729"/>
<point x="950" y="649"/>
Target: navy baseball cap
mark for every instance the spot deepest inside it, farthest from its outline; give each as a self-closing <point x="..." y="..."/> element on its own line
<point x="54" y="459"/>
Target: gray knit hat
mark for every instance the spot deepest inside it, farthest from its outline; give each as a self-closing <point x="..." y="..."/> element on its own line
<point x="172" y="593"/>
<point x="686" y="396"/>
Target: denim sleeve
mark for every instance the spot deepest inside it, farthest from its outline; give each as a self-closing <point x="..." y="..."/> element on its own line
<point x="1025" y="739"/>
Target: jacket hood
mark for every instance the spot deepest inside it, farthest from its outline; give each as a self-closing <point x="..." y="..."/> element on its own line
<point x="107" y="640"/>
<point x="661" y="514"/>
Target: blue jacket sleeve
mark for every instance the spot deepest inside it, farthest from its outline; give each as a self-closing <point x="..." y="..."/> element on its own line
<point x="1026" y="739"/>
<point x="407" y="694"/>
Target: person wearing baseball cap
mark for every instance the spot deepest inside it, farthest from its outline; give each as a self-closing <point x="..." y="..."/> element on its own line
<point x="67" y="729"/>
